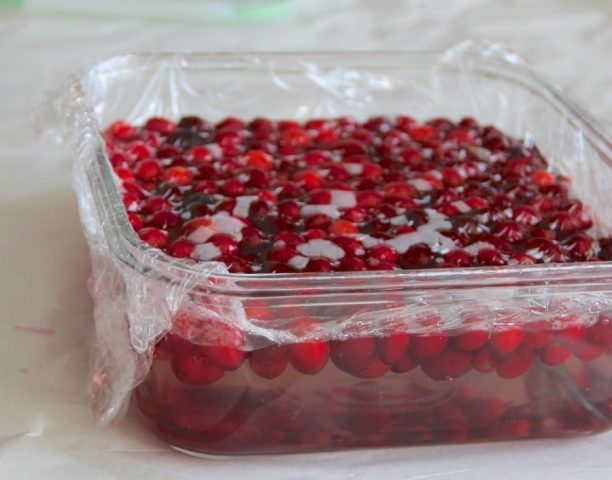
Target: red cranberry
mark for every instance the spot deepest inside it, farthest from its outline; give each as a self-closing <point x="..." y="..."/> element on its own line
<point x="227" y="358"/>
<point x="470" y="341"/>
<point x="382" y="254"/>
<point x="160" y="125"/>
<point x="554" y="354"/>
<point x="148" y="170"/>
<point x="353" y="355"/>
<point x="155" y="237"/>
<point x="405" y="364"/>
<point x="424" y="348"/>
<point x="181" y="249"/>
<point x="511" y="232"/>
<point x="236" y="264"/>
<point x="195" y="370"/>
<point x="544" y="250"/>
<point x="600" y="334"/>
<point x="490" y="257"/>
<point x="448" y="365"/>
<point x="281" y="254"/>
<point x="484" y="361"/>
<point x="165" y="219"/>
<point x="351" y="264"/>
<point x="377" y="368"/>
<point x="506" y="341"/>
<point x="393" y="348"/>
<point x="289" y="209"/>
<point x="342" y="227"/>
<point x="123" y="131"/>
<point x="526" y="215"/>
<point x="269" y="362"/>
<point x="178" y="176"/>
<point x="319" y="265"/>
<point x="230" y="123"/>
<point x="309" y="357"/>
<point x="459" y="258"/>
<point x="515" y="364"/>
<point x="225" y="243"/>
<point x="314" y="233"/>
<point x="417" y="256"/>
<point x="135" y="220"/>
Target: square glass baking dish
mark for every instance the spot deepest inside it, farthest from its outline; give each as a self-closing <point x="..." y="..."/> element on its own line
<point x="153" y="312"/>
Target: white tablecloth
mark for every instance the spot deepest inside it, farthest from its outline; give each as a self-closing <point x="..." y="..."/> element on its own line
<point x="46" y="429"/>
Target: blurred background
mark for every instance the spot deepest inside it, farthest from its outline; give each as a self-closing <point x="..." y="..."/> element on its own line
<point x="46" y="429"/>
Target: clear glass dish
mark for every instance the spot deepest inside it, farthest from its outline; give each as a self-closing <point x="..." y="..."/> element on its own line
<point x="152" y="311"/>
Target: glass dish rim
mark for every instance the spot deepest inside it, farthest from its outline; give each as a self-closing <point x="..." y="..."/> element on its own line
<point x="133" y="252"/>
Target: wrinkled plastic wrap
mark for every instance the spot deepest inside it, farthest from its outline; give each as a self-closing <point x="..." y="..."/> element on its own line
<point x="141" y="294"/>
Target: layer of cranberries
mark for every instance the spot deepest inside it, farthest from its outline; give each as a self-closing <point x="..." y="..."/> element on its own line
<point x="330" y="195"/>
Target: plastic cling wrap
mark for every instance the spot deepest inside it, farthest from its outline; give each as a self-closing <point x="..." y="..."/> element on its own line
<point x="145" y="299"/>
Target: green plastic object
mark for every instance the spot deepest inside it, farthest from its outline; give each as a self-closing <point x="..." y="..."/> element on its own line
<point x="180" y="10"/>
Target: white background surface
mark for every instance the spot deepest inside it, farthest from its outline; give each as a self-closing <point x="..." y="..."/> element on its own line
<point x="46" y="430"/>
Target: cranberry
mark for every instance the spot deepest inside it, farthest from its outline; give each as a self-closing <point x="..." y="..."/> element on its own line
<point x="319" y="265"/>
<point x="377" y="368"/>
<point x="391" y="349"/>
<point x="351" y="264"/>
<point x="155" y="237"/>
<point x="228" y="358"/>
<point x="470" y="341"/>
<point x="526" y="215"/>
<point x="160" y="125"/>
<point x="459" y="258"/>
<point x="282" y="254"/>
<point x="515" y="364"/>
<point x="309" y="357"/>
<point x="181" y="249"/>
<point x="417" y="256"/>
<point x="353" y="355"/>
<point x="544" y="250"/>
<point x="289" y="209"/>
<point x="195" y="370"/>
<point x="342" y="227"/>
<point x="382" y="254"/>
<point x="269" y="362"/>
<point x="403" y="365"/>
<point x="448" y="365"/>
<point x="225" y="243"/>
<point x="165" y="219"/>
<point x="506" y="341"/>
<point x="123" y="131"/>
<point x="488" y="256"/>
<point x="554" y="354"/>
<point x="178" y="176"/>
<point x="236" y="264"/>
<point x="600" y="334"/>
<point x="511" y="232"/>
<point x="424" y="348"/>
<point x="484" y="361"/>
<point x="135" y="220"/>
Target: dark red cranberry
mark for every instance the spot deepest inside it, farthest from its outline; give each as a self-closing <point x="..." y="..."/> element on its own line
<point x="352" y="264"/>
<point x="417" y="256"/>
<point x="269" y="362"/>
<point x="353" y="355"/>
